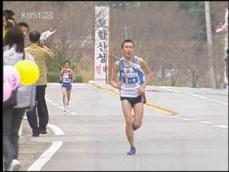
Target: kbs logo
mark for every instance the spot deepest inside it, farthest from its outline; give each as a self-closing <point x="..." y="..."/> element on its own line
<point x="37" y="15"/>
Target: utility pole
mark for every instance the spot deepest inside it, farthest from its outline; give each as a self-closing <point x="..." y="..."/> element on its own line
<point x="110" y="47"/>
<point x="209" y="43"/>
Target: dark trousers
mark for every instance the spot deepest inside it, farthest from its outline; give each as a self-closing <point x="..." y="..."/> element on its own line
<point x="38" y="117"/>
<point x="12" y="119"/>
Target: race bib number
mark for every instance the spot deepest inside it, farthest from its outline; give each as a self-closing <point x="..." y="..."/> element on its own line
<point x="130" y="82"/>
<point x="66" y="79"/>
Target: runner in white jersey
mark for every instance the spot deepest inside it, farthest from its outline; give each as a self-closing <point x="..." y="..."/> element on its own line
<point x="134" y="74"/>
<point x="66" y="77"/>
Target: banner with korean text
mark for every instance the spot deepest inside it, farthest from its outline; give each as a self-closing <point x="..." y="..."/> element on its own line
<point x="101" y="44"/>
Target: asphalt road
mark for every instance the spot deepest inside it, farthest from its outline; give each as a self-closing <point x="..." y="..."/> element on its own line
<point x="183" y="129"/>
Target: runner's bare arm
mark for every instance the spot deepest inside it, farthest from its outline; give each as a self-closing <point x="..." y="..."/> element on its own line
<point x="73" y="75"/>
<point x="147" y="71"/>
<point x="115" y="71"/>
<point x="61" y="74"/>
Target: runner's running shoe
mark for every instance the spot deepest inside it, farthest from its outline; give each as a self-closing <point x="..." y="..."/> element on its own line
<point x="132" y="150"/>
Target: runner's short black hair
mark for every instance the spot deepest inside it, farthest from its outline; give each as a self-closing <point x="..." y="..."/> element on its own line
<point x="125" y="41"/>
<point x="66" y="61"/>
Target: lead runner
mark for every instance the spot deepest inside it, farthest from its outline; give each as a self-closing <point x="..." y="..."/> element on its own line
<point x="132" y="83"/>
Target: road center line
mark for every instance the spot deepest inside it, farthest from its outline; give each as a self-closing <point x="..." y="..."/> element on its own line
<point x="149" y="105"/>
<point x="196" y="95"/>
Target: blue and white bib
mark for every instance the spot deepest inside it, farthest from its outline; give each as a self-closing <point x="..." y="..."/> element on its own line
<point x="67" y="76"/>
<point x="131" y="77"/>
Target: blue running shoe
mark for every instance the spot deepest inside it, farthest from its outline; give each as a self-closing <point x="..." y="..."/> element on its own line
<point x="132" y="150"/>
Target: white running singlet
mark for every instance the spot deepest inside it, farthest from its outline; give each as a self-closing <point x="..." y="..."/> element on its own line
<point x="67" y="76"/>
<point x="130" y="78"/>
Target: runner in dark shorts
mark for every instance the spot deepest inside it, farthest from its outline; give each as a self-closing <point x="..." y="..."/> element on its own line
<point x="66" y="78"/>
<point x="134" y="76"/>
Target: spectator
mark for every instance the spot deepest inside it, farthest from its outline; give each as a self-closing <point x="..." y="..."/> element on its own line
<point x="9" y="18"/>
<point x="7" y="23"/>
<point x="13" y="51"/>
<point x="24" y="28"/>
<point x="40" y="54"/>
<point x="9" y="14"/>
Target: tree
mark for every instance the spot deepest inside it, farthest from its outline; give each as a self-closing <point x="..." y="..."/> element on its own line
<point x="170" y="36"/>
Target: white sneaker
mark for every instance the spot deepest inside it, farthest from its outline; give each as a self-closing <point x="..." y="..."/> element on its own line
<point x="14" y="165"/>
<point x="65" y="108"/>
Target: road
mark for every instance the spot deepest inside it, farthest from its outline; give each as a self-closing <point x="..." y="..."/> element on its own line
<point x="183" y="129"/>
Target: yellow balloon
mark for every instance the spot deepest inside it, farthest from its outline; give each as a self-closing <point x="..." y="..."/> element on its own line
<point x="29" y="72"/>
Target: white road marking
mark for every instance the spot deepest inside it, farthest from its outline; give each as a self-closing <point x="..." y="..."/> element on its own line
<point x="207" y="89"/>
<point x="67" y="112"/>
<point x="61" y="107"/>
<point x="225" y="104"/>
<point x="58" y="131"/>
<point x="221" y="126"/>
<point x="205" y="122"/>
<point x="218" y="101"/>
<point x="188" y="119"/>
<point x="45" y="157"/>
<point x="58" y="84"/>
<point x="196" y="95"/>
<point x="209" y="99"/>
<point x="176" y="91"/>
